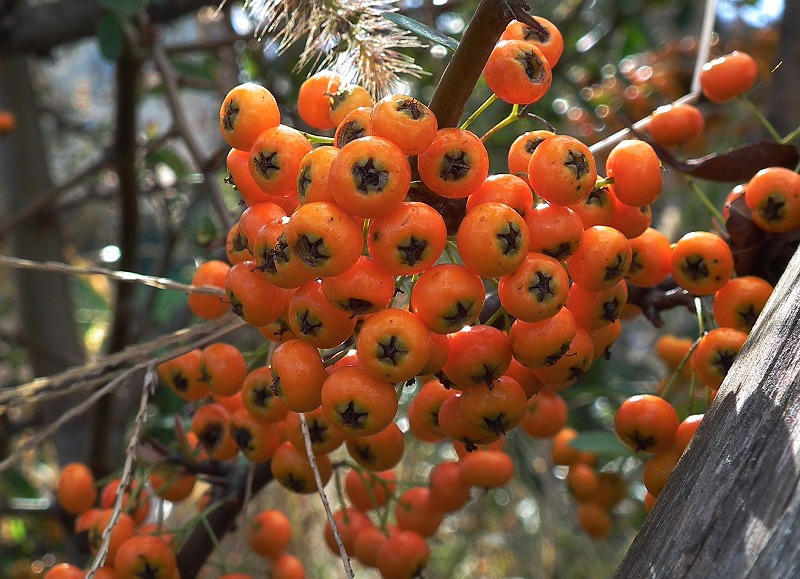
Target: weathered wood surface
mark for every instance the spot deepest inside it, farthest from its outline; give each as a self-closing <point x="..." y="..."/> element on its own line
<point x="732" y="506"/>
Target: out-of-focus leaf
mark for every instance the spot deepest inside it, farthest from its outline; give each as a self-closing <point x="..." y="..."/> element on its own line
<point x="14" y="484"/>
<point x="170" y="158"/>
<point x="110" y="36"/>
<point x="421" y="29"/>
<point x="600" y="442"/>
<point x="203" y="69"/>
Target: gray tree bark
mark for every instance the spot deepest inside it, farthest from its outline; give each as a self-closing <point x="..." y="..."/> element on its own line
<point x="732" y="506"/>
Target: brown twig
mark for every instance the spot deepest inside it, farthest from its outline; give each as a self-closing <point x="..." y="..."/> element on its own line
<point x="172" y="92"/>
<point x="321" y="490"/>
<point x="148" y="388"/>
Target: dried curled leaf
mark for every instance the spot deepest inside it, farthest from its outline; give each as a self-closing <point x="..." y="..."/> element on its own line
<point x="756" y="252"/>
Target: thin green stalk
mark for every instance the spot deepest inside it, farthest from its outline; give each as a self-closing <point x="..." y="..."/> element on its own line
<point x="317" y="139"/>
<point x="706" y="201"/>
<point x="761" y="118"/>
<point x="512" y="116"/>
<point x="665" y="394"/>
<point x="479" y="112"/>
<point x="500" y="311"/>
<point x="791" y="136"/>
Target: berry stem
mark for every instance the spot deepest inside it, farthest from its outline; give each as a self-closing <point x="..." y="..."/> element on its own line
<point x="317" y="139"/>
<point x="666" y="393"/>
<point x="479" y="112"/>
<point x="512" y="116"/>
<point x="761" y="118"/>
<point x="790" y="137"/>
<point x="706" y="201"/>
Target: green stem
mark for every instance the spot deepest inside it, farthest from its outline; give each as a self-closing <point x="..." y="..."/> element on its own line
<point x="479" y="112"/>
<point x="761" y="118"/>
<point x="667" y="392"/>
<point x="317" y="139"/>
<point x="493" y="318"/>
<point x="335" y="358"/>
<point x="512" y="116"/>
<point x="706" y="201"/>
<point x="791" y="136"/>
<point x="603" y="182"/>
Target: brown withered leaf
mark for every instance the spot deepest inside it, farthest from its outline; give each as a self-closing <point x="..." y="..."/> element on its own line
<point x="734" y="165"/>
<point x="756" y="252"/>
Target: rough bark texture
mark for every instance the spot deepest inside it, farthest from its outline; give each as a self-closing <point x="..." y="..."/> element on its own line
<point x="732" y="505"/>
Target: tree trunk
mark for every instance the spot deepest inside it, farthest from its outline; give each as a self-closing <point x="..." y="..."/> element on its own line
<point x="44" y="300"/>
<point x="732" y="506"/>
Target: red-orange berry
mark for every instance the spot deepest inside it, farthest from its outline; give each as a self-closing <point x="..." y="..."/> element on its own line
<point x="727" y="77"/>
<point x="517" y="72"/>
<point x="455" y="164"/>
<point x="246" y="111"/>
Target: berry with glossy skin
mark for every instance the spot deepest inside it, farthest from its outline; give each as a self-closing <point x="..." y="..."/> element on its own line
<point x="715" y="354"/>
<point x="76" y="491"/>
<point x="269" y="533"/>
<point x="356" y="124"/>
<point x="369" y="177"/>
<point x="380" y="451"/>
<point x="393" y="345"/>
<point x="701" y="262"/>
<point x="636" y="171"/>
<point x="675" y="124"/>
<point x="408" y="240"/>
<point x="536" y="290"/>
<point x="405" y="121"/>
<point x="447" y="297"/>
<point x="292" y="470"/>
<point x="562" y="170"/>
<point x="546" y="414"/>
<point x="517" y="72"/>
<point x="602" y="259"/>
<point x="554" y="231"/>
<point x="205" y="306"/>
<point x="403" y="556"/>
<point x="455" y="164"/>
<point x="492" y="239"/>
<point x="246" y="111"/>
<point x="275" y="158"/>
<point x="520" y="151"/>
<point x="357" y="403"/>
<point x="727" y="77"/>
<point x="551" y="45"/>
<point x="646" y="423"/>
<point x="145" y="556"/>
<point x="739" y="302"/>
<point x="314" y="99"/>
<point x="650" y="259"/>
<point x="347" y="99"/>
<point x="773" y="197"/>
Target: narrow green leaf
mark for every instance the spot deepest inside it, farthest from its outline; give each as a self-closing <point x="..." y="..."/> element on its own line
<point x="110" y="36"/>
<point x="600" y="442"/>
<point x="421" y="29"/>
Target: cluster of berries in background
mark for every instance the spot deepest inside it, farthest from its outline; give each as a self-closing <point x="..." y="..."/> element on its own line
<point x="382" y="314"/>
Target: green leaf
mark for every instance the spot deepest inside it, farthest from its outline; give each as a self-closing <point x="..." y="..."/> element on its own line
<point x="14" y="484"/>
<point x="110" y="36"/>
<point x="600" y="442"/>
<point x="421" y="29"/>
<point x="123" y="7"/>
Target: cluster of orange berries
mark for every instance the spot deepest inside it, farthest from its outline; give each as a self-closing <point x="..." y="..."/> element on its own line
<point x="135" y="547"/>
<point x="327" y="242"/>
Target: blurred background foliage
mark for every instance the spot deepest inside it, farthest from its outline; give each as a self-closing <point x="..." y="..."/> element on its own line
<point x="622" y="59"/>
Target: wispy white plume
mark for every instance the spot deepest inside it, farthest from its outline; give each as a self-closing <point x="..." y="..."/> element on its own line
<point x="350" y="37"/>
